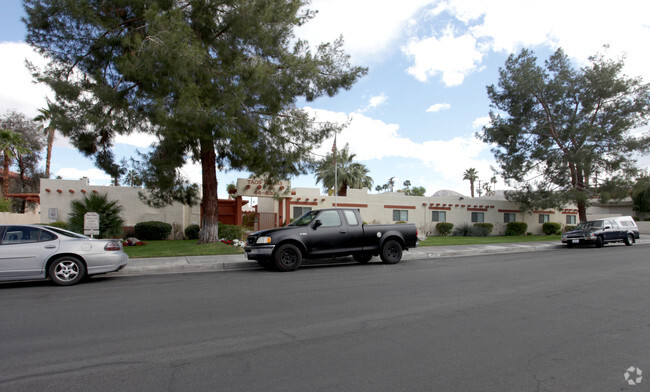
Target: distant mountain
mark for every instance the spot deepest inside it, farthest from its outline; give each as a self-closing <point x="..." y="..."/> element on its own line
<point x="447" y="193"/>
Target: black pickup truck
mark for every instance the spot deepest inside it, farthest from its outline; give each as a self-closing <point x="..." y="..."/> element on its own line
<point x="329" y="233"/>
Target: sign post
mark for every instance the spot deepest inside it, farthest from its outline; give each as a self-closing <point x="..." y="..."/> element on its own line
<point x="91" y="223"/>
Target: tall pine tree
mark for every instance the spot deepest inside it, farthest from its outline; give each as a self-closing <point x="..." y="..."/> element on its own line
<point x="217" y="81"/>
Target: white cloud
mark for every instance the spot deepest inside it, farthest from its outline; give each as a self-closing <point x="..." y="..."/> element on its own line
<point x="18" y="91"/>
<point x="372" y="139"/>
<point x="438" y="107"/>
<point x="581" y="29"/>
<point x="95" y="175"/>
<point x="480" y="122"/>
<point x="369" y="27"/>
<point x="375" y="101"/>
<point x="452" y="56"/>
<point x="137" y="139"/>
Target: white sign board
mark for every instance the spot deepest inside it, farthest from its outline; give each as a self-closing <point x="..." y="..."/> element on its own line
<point x="53" y="214"/>
<point x="91" y="223"/>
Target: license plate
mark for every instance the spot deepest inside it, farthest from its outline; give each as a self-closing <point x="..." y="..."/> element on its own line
<point x="575" y="241"/>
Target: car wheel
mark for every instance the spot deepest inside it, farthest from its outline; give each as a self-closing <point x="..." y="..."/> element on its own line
<point x="629" y="240"/>
<point x="288" y="258"/>
<point x="391" y="252"/>
<point x="66" y="271"/>
<point x="599" y="242"/>
<point x="362" y="258"/>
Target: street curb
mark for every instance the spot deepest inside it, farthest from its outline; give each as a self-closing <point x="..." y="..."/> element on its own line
<point x="217" y="263"/>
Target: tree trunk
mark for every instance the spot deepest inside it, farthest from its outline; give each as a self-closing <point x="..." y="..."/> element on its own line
<point x="48" y="158"/>
<point x="210" y="213"/>
<point x="5" y="175"/>
<point x="471" y="187"/>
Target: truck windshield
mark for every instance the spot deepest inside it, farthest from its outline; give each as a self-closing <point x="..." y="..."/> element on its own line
<point x="590" y="225"/>
<point x="305" y="219"/>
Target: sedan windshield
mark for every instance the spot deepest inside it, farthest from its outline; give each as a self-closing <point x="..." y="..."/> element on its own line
<point x="305" y="219"/>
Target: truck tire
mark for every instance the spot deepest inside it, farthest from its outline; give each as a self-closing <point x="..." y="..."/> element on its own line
<point x="599" y="242"/>
<point x="287" y="258"/>
<point x="629" y="240"/>
<point x="362" y="258"/>
<point x="391" y="252"/>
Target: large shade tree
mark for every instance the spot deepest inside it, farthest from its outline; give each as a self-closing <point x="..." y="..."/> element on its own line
<point x="556" y="127"/>
<point x="217" y="81"/>
<point x="349" y="174"/>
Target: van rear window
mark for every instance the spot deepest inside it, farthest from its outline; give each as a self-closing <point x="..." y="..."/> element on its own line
<point x="627" y="223"/>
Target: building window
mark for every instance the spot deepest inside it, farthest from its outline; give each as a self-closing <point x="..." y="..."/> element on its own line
<point x="509" y="217"/>
<point x="570" y="219"/>
<point x="478" y="217"/>
<point x="400" y="215"/>
<point x="543" y="218"/>
<point x="299" y="211"/>
<point x="439" y="216"/>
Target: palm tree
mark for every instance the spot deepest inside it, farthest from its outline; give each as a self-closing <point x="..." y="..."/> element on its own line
<point x="350" y="174"/>
<point x="45" y="116"/>
<point x="11" y="144"/>
<point x="471" y="175"/>
<point x="110" y="221"/>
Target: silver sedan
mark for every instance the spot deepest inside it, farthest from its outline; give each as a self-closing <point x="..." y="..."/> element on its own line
<point x="30" y="252"/>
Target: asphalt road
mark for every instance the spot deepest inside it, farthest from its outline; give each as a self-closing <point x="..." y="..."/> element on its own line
<point x="561" y="320"/>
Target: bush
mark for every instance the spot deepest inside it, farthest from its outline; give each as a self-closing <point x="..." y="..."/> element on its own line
<point x="483" y="229"/>
<point x="550" y="228"/>
<point x="153" y="230"/>
<point x="5" y="205"/>
<point x="464" y="230"/>
<point x="569" y="228"/>
<point x="230" y="232"/>
<point x="110" y="222"/>
<point x="192" y="232"/>
<point x="444" y="228"/>
<point x="516" y="228"/>
<point x="59" y="224"/>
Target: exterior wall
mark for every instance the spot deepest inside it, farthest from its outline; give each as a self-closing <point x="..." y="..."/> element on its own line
<point x="10" y="218"/>
<point x="378" y="208"/>
<point x="56" y="195"/>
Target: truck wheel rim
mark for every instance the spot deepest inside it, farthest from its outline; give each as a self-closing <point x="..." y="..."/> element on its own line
<point x="288" y="258"/>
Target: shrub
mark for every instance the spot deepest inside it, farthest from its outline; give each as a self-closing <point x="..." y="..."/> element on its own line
<point x="569" y="227"/>
<point x="153" y="230"/>
<point x="5" y="205"/>
<point x="230" y="232"/>
<point x="550" y="228"/>
<point x="464" y="230"/>
<point x="110" y="222"/>
<point x="59" y="224"/>
<point x="516" y="228"/>
<point x="444" y="228"/>
<point x="483" y="229"/>
<point x="192" y="232"/>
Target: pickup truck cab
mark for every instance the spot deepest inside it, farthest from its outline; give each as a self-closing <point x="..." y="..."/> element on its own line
<point x="601" y="231"/>
<point x="329" y="233"/>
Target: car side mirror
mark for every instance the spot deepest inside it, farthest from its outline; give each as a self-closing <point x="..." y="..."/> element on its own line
<point x="318" y="223"/>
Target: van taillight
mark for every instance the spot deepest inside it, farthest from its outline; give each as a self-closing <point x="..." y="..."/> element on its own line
<point x="112" y="246"/>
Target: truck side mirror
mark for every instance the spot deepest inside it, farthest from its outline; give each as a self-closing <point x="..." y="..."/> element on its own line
<point x="318" y="223"/>
<point x="607" y="228"/>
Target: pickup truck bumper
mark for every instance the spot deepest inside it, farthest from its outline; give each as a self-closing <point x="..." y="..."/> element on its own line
<point x="262" y="252"/>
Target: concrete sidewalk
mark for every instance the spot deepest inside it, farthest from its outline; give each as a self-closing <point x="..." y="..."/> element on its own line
<point x="170" y="265"/>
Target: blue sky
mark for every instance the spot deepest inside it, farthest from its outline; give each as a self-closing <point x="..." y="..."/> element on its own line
<point x="415" y="115"/>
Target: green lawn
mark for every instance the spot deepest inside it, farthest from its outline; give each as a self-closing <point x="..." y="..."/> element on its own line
<point x="168" y="248"/>
<point x="451" y="240"/>
<point x="171" y="248"/>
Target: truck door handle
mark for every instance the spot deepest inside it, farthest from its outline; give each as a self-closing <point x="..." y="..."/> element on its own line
<point x="342" y="231"/>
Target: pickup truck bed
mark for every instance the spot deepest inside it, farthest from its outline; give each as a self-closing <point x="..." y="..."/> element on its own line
<point x="329" y="233"/>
